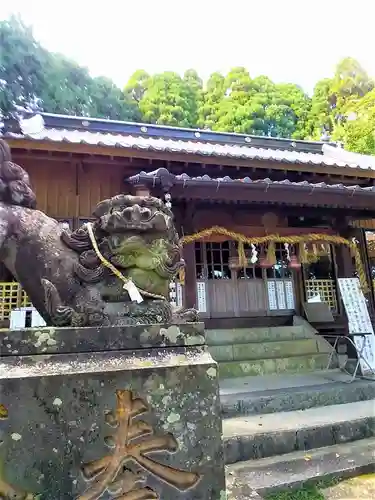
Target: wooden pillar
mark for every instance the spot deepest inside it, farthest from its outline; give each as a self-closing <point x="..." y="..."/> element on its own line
<point x="360" y="236"/>
<point x="190" y="295"/>
<point x="190" y="276"/>
<point x="344" y="262"/>
<point x="345" y="266"/>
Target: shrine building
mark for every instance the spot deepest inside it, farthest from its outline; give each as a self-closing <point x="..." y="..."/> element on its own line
<point x="266" y="223"/>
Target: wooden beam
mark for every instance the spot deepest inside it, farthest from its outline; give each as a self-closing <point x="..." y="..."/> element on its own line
<point x="278" y="195"/>
<point x="180" y="157"/>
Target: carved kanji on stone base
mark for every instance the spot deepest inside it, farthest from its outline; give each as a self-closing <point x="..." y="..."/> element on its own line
<point x="130" y="443"/>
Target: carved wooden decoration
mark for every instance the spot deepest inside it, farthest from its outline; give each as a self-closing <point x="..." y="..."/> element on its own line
<point x="130" y="443"/>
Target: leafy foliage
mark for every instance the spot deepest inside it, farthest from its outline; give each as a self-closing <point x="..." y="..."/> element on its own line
<point x="22" y="64"/>
<point x="342" y="106"/>
<point x="137" y="85"/>
<point x="169" y="99"/>
<point x="212" y="96"/>
<point x="33" y="78"/>
<point x="360" y="127"/>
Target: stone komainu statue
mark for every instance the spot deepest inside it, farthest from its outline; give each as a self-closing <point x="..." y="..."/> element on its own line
<point x="92" y="275"/>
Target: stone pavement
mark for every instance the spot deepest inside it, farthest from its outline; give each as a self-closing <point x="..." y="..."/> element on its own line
<point x="358" y="488"/>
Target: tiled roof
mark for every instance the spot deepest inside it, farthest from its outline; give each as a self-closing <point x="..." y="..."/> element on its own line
<point x="159" y="139"/>
<point x="163" y="175"/>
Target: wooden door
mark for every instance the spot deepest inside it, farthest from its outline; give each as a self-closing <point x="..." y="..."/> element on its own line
<point x="251" y="291"/>
<point x="216" y="290"/>
<point x="252" y="300"/>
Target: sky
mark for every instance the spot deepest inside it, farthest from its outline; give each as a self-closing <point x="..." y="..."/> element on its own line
<point x="287" y="40"/>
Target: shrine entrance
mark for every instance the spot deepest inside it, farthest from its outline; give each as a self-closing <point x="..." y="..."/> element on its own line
<point x="226" y="290"/>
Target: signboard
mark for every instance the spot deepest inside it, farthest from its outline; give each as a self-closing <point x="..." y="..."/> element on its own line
<point x="359" y="320"/>
<point x="280" y="295"/>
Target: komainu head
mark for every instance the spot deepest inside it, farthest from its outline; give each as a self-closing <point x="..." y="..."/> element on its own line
<point x="15" y="186"/>
<point x="137" y="235"/>
<point x="138" y="214"/>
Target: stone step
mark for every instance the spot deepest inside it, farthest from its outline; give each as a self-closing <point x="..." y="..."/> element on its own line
<point x="267" y="350"/>
<point x="247" y="479"/>
<point x="269" y="394"/>
<point x="253" y="437"/>
<point x="290" y="364"/>
<point x="253" y="335"/>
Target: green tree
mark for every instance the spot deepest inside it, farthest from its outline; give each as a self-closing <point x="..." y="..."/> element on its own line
<point x="194" y="89"/>
<point x="68" y="87"/>
<point x="292" y="110"/>
<point x="168" y="101"/>
<point x="359" y="131"/>
<point x="137" y="85"/>
<point x="212" y="97"/>
<point x="320" y="116"/>
<point x="260" y="107"/>
<point x="350" y="83"/>
<point x="110" y="102"/>
<point x="22" y="68"/>
<point x="234" y="113"/>
<point x="334" y="99"/>
<point x="33" y="78"/>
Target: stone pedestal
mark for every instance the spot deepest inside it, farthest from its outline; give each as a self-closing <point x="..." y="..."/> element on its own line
<point x="113" y="413"/>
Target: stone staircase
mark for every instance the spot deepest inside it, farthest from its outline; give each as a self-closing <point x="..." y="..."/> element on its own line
<point x="264" y="351"/>
<point x="282" y="431"/>
<point x="286" y="419"/>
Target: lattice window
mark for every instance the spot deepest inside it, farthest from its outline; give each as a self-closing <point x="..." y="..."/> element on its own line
<point x="325" y="289"/>
<point x="200" y="264"/>
<point x="12" y="296"/>
<point x="280" y="270"/>
<point x="25" y="301"/>
<point x="212" y="260"/>
<point x="251" y="271"/>
<point x="218" y="260"/>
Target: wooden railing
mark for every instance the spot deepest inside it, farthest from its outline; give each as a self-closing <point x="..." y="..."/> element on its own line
<point x="12" y="296"/>
<point x="326" y="289"/>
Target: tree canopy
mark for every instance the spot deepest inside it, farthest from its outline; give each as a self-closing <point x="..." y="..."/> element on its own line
<point x="341" y="107"/>
<point x="33" y="78"/>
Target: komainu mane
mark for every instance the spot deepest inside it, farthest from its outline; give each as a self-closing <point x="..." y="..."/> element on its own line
<point x="82" y="278"/>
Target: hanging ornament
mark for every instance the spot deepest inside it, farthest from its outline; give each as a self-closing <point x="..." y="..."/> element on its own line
<point x="264" y="261"/>
<point x="271" y="254"/>
<point x="254" y="254"/>
<point x="241" y="255"/>
<point x="181" y="276"/>
<point x="287" y="251"/>
<point x="353" y="247"/>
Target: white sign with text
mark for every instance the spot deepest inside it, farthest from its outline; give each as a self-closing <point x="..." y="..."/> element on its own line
<point x="359" y="320"/>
